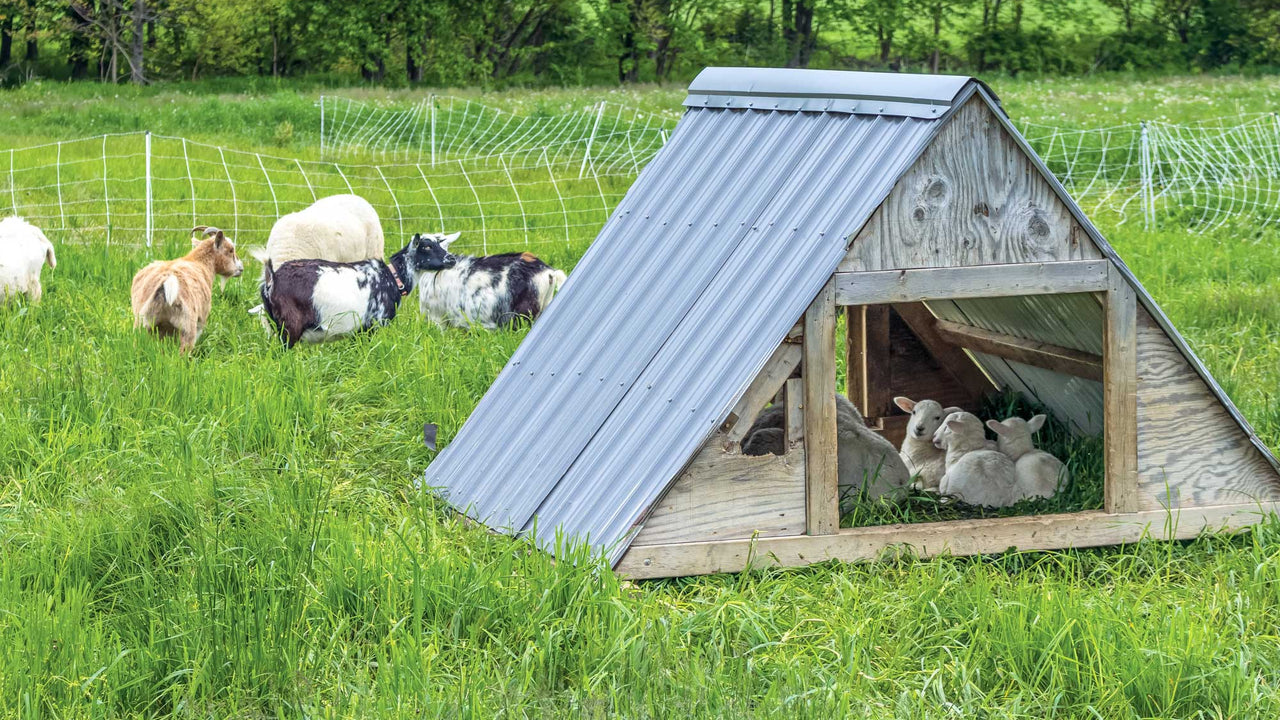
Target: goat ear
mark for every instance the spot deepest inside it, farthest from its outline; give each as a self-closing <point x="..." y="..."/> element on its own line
<point x="906" y="404"/>
<point x="219" y="239"/>
<point x="448" y="239"/>
<point x="954" y="425"/>
<point x="1036" y="423"/>
<point x="952" y="409"/>
<point x="998" y="427"/>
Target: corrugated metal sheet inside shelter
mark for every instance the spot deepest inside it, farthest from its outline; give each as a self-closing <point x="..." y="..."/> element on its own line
<point x="714" y="253"/>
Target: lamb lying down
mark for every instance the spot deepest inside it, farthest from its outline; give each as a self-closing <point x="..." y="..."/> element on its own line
<point x="863" y="458"/>
<point x="975" y="475"/>
<point x="1039" y="473"/>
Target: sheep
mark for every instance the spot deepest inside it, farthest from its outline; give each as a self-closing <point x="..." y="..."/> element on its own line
<point x="860" y="452"/>
<point x="318" y="300"/>
<point x="338" y="228"/>
<point x="489" y="291"/>
<point x="924" y="461"/>
<point x="975" y="474"/>
<point x="24" y="251"/>
<point x="1039" y="473"/>
<point x="174" y="296"/>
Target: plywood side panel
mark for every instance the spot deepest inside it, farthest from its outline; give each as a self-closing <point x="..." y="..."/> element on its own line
<point x="726" y="495"/>
<point x="1191" y="453"/>
<point x="972" y="198"/>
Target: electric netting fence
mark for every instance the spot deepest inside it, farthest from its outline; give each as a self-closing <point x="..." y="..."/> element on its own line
<point x="1198" y="175"/>
<point x="612" y="137"/>
<point x="128" y="189"/>
<point x="510" y="182"/>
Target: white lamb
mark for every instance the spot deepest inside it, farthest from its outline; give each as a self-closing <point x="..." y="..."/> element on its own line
<point x="975" y="475"/>
<point x="923" y="459"/>
<point x="24" y="251"/>
<point x="1039" y="473"/>
<point x="338" y="228"/>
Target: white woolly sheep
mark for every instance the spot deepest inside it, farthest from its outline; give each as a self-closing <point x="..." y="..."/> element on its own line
<point x="173" y="297"/>
<point x="1039" y="473"/>
<point x="24" y="251"/>
<point x="338" y="228"/>
<point x="925" y="462"/>
<point x="861" y="453"/>
<point x="975" y="475"/>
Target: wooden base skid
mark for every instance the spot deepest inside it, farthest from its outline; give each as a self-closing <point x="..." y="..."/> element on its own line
<point x="960" y="537"/>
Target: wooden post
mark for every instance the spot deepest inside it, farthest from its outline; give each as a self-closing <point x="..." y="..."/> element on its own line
<point x="855" y="356"/>
<point x="793" y="403"/>
<point x="867" y="353"/>
<point x="1120" y="395"/>
<point x="822" y="490"/>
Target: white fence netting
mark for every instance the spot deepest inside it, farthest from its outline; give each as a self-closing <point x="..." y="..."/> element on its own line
<point x="509" y="181"/>
<point x="131" y="188"/>
<point x="442" y="129"/>
<point x="1198" y="175"/>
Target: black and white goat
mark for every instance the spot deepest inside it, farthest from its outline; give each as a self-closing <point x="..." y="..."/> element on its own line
<point x="317" y="300"/>
<point x="489" y="290"/>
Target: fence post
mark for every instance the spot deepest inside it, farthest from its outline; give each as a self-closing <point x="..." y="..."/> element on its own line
<point x="321" y="127"/>
<point x="432" y="98"/>
<point x="150" y="217"/>
<point x="1144" y="172"/>
<point x="582" y="172"/>
<point x="13" y="192"/>
<point x="62" y="213"/>
<point x="106" y="191"/>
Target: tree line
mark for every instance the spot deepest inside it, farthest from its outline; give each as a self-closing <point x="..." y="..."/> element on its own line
<point x="492" y="42"/>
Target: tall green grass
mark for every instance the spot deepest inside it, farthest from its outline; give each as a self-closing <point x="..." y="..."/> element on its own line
<point x="237" y="534"/>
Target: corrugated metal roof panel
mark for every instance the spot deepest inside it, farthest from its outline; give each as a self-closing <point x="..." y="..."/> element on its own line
<point x="704" y="266"/>
<point x="848" y="164"/>
<point x="828" y="84"/>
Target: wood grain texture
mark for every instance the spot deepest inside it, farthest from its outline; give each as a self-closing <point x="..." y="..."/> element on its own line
<point x="948" y="356"/>
<point x="762" y="390"/>
<point x="1030" y="352"/>
<point x="957" y="283"/>
<point x="793" y="413"/>
<point x="972" y="198"/>
<point x="855" y="354"/>
<point x="958" y="537"/>
<point x="1191" y="452"/>
<point x="822" y="501"/>
<point x="723" y="495"/>
<point x="1120" y="396"/>
<point x="878" y="400"/>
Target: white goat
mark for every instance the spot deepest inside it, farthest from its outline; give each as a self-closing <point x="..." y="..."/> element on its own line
<point x="923" y="459"/>
<point x="861" y="454"/>
<point x="975" y="475"/>
<point x="24" y="251"/>
<point x="1039" y="473"/>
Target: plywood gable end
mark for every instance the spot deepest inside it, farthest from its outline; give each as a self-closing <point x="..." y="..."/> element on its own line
<point x="973" y="197"/>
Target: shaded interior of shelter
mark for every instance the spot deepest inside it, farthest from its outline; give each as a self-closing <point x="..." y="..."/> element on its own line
<point x="934" y="350"/>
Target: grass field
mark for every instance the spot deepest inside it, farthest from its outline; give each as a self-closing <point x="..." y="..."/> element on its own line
<point x="237" y="534"/>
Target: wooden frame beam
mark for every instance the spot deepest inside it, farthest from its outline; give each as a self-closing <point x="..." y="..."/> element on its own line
<point x="949" y="357"/>
<point x="822" y="490"/>
<point x="1029" y="352"/>
<point x="955" y="537"/>
<point x="979" y="281"/>
<point x="1120" y="396"/>
<point x="762" y="390"/>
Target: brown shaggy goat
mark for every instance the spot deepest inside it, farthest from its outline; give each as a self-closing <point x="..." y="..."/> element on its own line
<point x="173" y="297"/>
